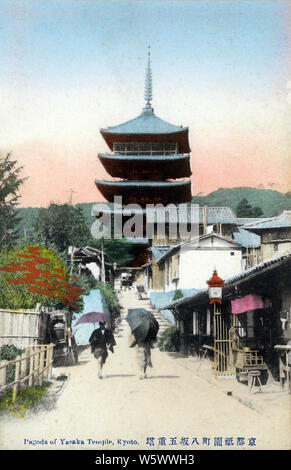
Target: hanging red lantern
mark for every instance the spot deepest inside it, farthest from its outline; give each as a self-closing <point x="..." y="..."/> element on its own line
<point x="215" y="288"/>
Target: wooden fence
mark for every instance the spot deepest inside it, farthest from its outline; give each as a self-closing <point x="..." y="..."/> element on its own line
<point x="22" y="327"/>
<point x="31" y="368"/>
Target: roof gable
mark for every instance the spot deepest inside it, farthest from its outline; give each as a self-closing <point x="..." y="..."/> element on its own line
<point x="212" y="239"/>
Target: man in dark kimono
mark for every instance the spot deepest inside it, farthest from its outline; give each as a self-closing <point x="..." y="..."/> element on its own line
<point x="100" y="340"/>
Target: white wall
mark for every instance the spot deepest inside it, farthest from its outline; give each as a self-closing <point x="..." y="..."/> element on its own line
<point x="197" y="262"/>
<point x="95" y="270"/>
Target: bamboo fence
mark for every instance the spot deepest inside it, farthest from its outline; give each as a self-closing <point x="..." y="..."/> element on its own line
<point x="31" y="368"/>
<point x="22" y="327"/>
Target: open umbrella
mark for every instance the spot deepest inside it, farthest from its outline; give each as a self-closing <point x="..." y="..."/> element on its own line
<point x="92" y="317"/>
<point x="143" y="324"/>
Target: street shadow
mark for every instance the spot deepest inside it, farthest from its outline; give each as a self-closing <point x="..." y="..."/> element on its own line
<point x="81" y="362"/>
<point x="164" y="377"/>
<point x="82" y="348"/>
<point x="176" y="355"/>
<point x="119" y="375"/>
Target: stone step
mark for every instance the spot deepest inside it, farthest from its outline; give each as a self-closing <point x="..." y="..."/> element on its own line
<point x="130" y="297"/>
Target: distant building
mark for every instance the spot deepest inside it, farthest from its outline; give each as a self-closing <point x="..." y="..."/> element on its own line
<point x="275" y="234"/>
<point x="187" y="265"/>
<point x="93" y="261"/>
<point x="251" y="247"/>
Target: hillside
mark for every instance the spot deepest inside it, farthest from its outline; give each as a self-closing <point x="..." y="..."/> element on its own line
<point x="271" y="202"/>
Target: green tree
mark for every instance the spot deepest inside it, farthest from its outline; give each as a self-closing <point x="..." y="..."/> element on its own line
<point x="178" y="295"/>
<point x="62" y="226"/>
<point x="10" y="183"/>
<point x="169" y="340"/>
<point x="244" y="209"/>
<point x="119" y="251"/>
<point x="257" y="211"/>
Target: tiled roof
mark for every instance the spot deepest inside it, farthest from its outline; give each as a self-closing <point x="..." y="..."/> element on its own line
<point x="247" y="239"/>
<point x="138" y="241"/>
<point x="215" y="215"/>
<point x="250" y="220"/>
<point x="259" y="267"/>
<point x="194" y="213"/>
<point x="281" y="221"/>
<point x="174" y="248"/>
<point x="160" y="300"/>
<point x="146" y="123"/>
<point x="159" y="251"/>
<point x="219" y="215"/>
<point x="91" y="252"/>
<point x="193" y="293"/>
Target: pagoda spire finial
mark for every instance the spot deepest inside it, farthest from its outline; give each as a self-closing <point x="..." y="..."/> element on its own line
<point x="148" y="91"/>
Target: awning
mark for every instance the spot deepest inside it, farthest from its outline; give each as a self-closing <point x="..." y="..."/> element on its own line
<point x="249" y="302"/>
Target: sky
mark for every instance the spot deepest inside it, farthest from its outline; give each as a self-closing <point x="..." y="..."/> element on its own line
<point x="69" y="68"/>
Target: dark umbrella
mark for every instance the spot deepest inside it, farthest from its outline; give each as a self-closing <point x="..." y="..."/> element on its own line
<point x="143" y="324"/>
<point x="92" y="317"/>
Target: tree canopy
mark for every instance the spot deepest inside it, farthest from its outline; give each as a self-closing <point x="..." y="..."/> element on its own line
<point x="119" y="251"/>
<point x="62" y="226"/>
<point x="244" y="209"/>
<point x="10" y="182"/>
<point x="34" y="274"/>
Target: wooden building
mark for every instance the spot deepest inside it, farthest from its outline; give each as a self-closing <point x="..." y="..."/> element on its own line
<point x="253" y="320"/>
<point x="186" y="265"/>
<point x="93" y="261"/>
<point x="275" y="234"/>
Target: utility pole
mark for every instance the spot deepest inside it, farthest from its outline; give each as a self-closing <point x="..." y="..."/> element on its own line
<point x="102" y="261"/>
<point x="71" y="196"/>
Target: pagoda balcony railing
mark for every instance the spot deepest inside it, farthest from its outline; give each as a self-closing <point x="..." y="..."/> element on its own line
<point x="153" y="152"/>
<point x="145" y="148"/>
<point x="144" y="154"/>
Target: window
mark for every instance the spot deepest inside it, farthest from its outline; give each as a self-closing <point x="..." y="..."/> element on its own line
<point x="245" y="324"/>
<point x="195" y="323"/>
<point x="208" y="323"/>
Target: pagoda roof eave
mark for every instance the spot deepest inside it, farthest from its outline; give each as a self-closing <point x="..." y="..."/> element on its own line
<point x="149" y="184"/>
<point x="146" y="192"/>
<point x="170" y="157"/>
<point x="178" y="137"/>
<point x="114" y="131"/>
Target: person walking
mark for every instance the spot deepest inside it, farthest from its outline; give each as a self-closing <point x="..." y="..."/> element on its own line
<point x="143" y="354"/>
<point x="100" y="340"/>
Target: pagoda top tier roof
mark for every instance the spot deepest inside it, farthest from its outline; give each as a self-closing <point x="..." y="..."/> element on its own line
<point x="146" y="123"/>
<point x="147" y="127"/>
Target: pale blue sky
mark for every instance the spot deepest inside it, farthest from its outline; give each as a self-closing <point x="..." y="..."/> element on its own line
<point x="64" y="42"/>
<point x="68" y="68"/>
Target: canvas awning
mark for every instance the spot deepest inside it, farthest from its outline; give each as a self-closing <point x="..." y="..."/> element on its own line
<point x="248" y="302"/>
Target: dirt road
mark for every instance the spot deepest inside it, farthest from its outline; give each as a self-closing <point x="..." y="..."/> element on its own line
<point x="171" y="409"/>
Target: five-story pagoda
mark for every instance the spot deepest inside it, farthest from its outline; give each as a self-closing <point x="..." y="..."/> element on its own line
<point x="150" y="158"/>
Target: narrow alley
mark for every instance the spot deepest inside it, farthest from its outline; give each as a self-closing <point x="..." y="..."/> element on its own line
<point x="172" y="409"/>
